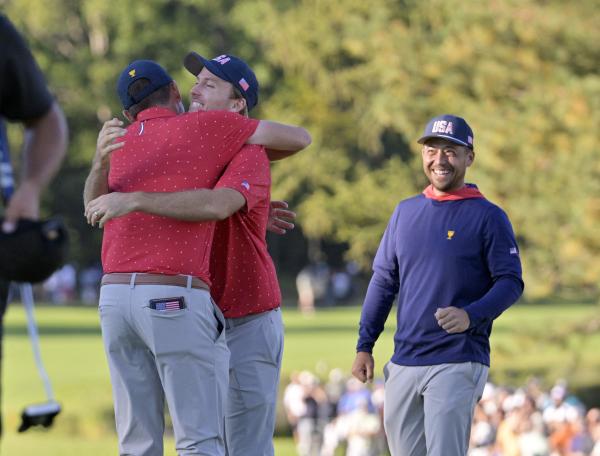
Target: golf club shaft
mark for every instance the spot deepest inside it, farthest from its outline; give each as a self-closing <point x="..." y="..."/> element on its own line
<point x="27" y="297"/>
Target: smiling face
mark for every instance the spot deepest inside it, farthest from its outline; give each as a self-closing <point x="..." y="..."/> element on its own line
<point x="211" y="93"/>
<point x="445" y="164"/>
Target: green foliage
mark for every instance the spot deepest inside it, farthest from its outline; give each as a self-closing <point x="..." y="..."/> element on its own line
<point x="364" y="77"/>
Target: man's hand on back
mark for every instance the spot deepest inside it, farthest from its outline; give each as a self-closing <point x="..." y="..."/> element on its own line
<point x="109" y="206"/>
<point x="280" y="218"/>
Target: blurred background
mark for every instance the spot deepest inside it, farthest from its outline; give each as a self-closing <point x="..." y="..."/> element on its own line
<point x="363" y="77"/>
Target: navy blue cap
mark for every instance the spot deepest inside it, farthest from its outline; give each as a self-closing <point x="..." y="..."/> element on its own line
<point x="139" y="69"/>
<point x="229" y="68"/>
<point x="452" y="128"/>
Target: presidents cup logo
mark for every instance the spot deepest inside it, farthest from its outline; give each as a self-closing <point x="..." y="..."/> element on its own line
<point x="450" y="235"/>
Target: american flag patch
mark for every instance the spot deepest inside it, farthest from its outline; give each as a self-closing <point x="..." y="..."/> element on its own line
<point x="243" y="84"/>
<point x="513" y="251"/>
<point x="168" y="304"/>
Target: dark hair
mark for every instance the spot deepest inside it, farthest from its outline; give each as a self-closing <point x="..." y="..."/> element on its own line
<point x="159" y="97"/>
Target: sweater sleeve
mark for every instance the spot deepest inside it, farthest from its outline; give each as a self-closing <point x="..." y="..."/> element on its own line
<point x="382" y="289"/>
<point x="502" y="258"/>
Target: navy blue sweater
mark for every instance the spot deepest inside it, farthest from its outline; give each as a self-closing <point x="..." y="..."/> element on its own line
<point x="435" y="254"/>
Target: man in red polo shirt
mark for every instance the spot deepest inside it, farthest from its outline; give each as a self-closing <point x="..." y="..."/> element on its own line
<point x="244" y="281"/>
<point x="163" y="335"/>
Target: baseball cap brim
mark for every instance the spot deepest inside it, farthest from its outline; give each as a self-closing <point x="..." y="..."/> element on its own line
<point x="449" y="138"/>
<point x="194" y="62"/>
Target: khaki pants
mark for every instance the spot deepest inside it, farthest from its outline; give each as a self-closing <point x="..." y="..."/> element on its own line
<point x="177" y="355"/>
<point x="428" y="409"/>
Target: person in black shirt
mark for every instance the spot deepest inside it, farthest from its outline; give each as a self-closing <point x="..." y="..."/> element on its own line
<point x="24" y="98"/>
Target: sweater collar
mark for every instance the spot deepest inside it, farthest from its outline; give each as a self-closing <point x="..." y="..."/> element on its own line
<point x="466" y="192"/>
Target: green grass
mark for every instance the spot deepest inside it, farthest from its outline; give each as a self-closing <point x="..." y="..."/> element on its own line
<point x="541" y="339"/>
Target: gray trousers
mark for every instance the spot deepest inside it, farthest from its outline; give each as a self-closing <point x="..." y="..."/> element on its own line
<point x="256" y="351"/>
<point x="428" y="409"/>
<point x="177" y="355"/>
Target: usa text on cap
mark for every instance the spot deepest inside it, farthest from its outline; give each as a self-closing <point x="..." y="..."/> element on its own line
<point x="450" y="127"/>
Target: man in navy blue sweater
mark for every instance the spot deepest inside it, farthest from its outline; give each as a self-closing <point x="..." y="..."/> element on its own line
<point x="451" y="257"/>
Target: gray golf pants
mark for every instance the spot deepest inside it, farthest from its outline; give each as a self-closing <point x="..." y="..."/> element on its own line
<point x="428" y="409"/>
<point x="180" y="355"/>
<point x="256" y="350"/>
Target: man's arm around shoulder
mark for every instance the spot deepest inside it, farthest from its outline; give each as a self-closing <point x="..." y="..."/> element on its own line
<point x="280" y="140"/>
<point x="201" y="205"/>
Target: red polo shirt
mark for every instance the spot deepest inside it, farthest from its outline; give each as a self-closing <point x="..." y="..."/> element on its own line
<point x="164" y="152"/>
<point x="243" y="275"/>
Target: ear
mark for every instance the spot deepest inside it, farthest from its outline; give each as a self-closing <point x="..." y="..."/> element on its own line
<point x="470" y="156"/>
<point x="238" y="104"/>
<point x="175" y="93"/>
<point x="128" y="116"/>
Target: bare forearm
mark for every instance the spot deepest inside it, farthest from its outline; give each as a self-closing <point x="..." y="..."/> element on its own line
<point x="194" y="205"/>
<point x="44" y="147"/>
<point x="280" y="137"/>
<point x="96" y="183"/>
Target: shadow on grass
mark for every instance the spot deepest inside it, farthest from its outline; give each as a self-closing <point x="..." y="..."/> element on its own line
<point x="21" y="331"/>
<point x="54" y="330"/>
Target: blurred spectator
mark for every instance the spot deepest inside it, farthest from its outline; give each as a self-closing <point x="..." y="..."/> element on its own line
<point x="312" y="284"/>
<point x="527" y="421"/>
<point x="293" y="403"/>
<point x="341" y="285"/>
<point x="89" y="284"/>
<point x="61" y="286"/>
<point x="363" y="425"/>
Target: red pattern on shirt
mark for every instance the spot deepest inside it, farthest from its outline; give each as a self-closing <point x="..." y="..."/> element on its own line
<point x="167" y="153"/>
<point x="243" y="275"/>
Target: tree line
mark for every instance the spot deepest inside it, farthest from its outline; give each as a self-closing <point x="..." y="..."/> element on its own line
<point x="364" y="77"/>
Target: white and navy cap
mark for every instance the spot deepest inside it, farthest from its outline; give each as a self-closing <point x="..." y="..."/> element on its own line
<point x="452" y="128"/>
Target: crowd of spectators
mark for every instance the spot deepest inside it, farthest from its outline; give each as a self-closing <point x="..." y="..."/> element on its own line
<point x="343" y="416"/>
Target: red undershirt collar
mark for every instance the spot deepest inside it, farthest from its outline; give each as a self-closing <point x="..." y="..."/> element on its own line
<point x="154" y="113"/>
<point x="466" y="192"/>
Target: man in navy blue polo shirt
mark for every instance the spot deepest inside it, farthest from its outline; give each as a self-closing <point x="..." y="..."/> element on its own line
<point x="451" y="257"/>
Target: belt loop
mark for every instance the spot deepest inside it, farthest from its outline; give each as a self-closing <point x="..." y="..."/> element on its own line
<point x="189" y="282"/>
<point x="132" y="281"/>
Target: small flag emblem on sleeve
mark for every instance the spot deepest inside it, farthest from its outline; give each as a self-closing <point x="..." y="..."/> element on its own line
<point x="513" y="251"/>
<point x="243" y="84"/>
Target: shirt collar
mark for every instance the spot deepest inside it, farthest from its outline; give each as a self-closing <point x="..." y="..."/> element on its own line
<point x="466" y="192"/>
<point x="154" y="113"/>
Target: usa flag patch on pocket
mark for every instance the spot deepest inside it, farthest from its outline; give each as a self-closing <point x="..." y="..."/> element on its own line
<point x="168" y="304"/>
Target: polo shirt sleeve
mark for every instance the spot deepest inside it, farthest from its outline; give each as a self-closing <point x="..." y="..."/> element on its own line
<point x="502" y="258"/>
<point x="249" y="173"/>
<point x="229" y="129"/>
<point x="23" y="91"/>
